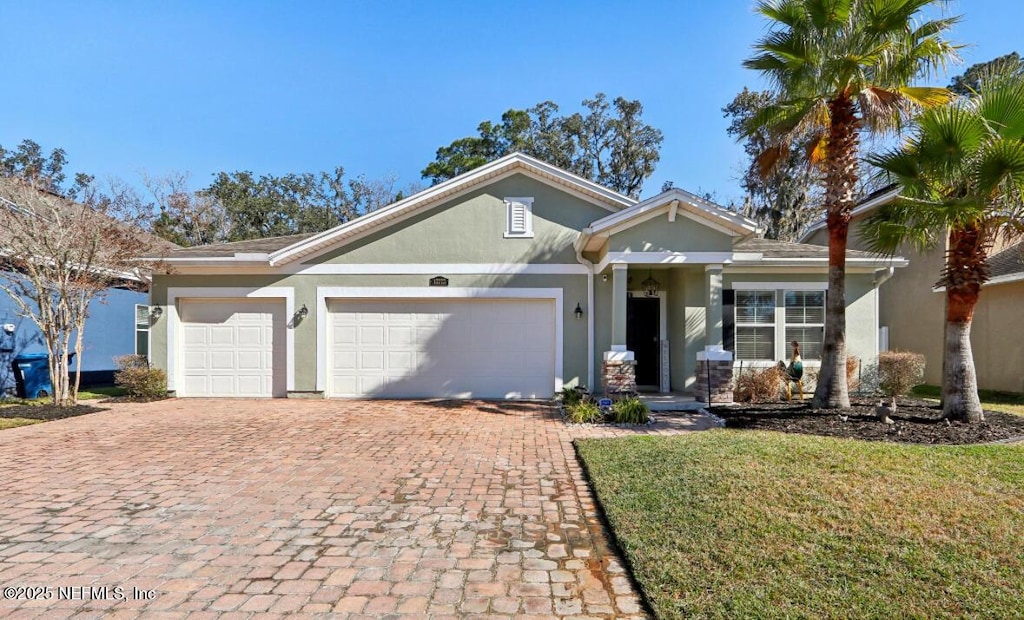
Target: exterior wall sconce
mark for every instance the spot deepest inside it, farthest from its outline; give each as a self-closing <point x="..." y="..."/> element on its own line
<point x="303" y="312"/>
<point x="156" y="312"/>
<point x="578" y="312"/>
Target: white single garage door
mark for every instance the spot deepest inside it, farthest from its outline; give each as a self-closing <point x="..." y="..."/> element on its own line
<point x="481" y="348"/>
<point x="233" y="348"/>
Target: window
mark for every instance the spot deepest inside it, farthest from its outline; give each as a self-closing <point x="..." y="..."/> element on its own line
<point x="518" y="217"/>
<point x="755" y="325"/>
<point x="142" y="330"/>
<point x="805" y="321"/>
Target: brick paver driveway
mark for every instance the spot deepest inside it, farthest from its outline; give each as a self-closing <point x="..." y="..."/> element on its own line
<point x="243" y="508"/>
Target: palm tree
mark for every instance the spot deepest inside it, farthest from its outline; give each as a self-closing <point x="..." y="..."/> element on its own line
<point x="839" y="68"/>
<point x="962" y="179"/>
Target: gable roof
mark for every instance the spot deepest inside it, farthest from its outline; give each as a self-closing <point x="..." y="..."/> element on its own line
<point x="432" y="196"/>
<point x="674" y="201"/>
<point x="875" y="199"/>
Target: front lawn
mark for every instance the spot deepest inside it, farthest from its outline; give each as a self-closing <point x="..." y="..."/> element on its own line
<point x="991" y="400"/>
<point x="6" y="423"/>
<point x="755" y="524"/>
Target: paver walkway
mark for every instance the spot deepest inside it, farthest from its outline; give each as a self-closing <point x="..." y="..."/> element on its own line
<point x="235" y="508"/>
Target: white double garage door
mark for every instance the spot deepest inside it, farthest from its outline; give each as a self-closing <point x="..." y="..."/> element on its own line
<point x="389" y="348"/>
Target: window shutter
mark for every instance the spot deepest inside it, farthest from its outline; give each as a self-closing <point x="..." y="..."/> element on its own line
<point x="729" y="319"/>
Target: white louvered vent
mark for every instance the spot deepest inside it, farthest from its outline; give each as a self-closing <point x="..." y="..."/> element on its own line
<point x="519" y="217"/>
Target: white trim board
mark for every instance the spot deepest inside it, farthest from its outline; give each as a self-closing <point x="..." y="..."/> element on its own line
<point x="771" y="286"/>
<point x="286" y="293"/>
<point x="672" y="258"/>
<point x="433" y="269"/>
<point x="323" y="293"/>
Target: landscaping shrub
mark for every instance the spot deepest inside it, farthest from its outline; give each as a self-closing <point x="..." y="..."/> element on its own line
<point x="899" y="371"/>
<point x="138" y="379"/>
<point x="630" y="411"/>
<point x="585" y="411"/>
<point x="570" y="396"/>
<point x="759" y="384"/>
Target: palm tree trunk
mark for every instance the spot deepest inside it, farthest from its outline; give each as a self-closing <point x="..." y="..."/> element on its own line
<point x="964" y="274"/>
<point x="832" y="390"/>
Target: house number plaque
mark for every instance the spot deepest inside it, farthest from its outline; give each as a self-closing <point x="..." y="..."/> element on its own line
<point x="439" y="281"/>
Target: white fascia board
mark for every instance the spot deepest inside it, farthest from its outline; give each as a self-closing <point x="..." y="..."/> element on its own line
<point x="699" y="210"/>
<point x="671" y="258"/>
<point x="858" y="210"/>
<point x="510" y="164"/>
<point x="390" y="269"/>
<point x="896" y="261"/>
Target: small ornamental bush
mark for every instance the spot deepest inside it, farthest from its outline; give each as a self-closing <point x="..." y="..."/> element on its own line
<point x="630" y="411"/>
<point x="584" y="412"/>
<point x="759" y="385"/>
<point x="899" y="371"/>
<point x="570" y="396"/>
<point x="138" y="379"/>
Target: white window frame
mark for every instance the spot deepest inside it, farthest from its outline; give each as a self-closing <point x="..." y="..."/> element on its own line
<point x="782" y="350"/>
<point x="786" y="324"/>
<point x="139" y="327"/>
<point x="527" y="205"/>
<point x="736" y="324"/>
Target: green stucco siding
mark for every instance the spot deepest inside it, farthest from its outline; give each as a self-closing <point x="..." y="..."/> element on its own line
<point x="659" y="235"/>
<point x="574" y="290"/>
<point x="471" y="229"/>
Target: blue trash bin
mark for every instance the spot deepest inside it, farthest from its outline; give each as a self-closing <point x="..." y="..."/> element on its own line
<point x="32" y="375"/>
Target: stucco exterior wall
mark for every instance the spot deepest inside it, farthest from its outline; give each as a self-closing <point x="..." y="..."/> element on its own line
<point x="659" y="235"/>
<point x="471" y="229"/>
<point x="996" y="337"/>
<point x="861" y="316"/>
<point x="574" y="289"/>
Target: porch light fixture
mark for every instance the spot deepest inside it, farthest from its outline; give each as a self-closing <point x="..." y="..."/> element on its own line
<point x="156" y="312"/>
<point x="578" y="312"/>
<point x="650" y="285"/>
<point x="303" y="312"/>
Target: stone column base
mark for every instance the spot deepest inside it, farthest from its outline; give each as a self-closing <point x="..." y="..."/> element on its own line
<point x="618" y="372"/>
<point x="716" y="365"/>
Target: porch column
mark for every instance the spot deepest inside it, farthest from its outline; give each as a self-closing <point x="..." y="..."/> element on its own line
<point x="618" y="370"/>
<point x="619" y="288"/>
<point x="713" y="306"/>
<point x="714" y="365"/>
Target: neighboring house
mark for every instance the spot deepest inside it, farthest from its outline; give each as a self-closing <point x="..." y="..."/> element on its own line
<point x="118" y="325"/>
<point x="912" y="307"/>
<point x="510" y="281"/>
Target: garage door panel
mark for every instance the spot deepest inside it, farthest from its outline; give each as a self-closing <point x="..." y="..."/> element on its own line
<point x="233" y="348"/>
<point x="448" y="348"/>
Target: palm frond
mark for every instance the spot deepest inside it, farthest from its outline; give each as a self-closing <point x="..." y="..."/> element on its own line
<point x="927" y="97"/>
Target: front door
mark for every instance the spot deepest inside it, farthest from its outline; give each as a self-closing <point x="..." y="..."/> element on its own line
<point x="643" y="326"/>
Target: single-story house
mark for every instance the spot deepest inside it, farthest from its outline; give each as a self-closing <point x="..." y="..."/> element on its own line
<point x="912" y="307"/>
<point x="118" y="321"/>
<point x="510" y="281"/>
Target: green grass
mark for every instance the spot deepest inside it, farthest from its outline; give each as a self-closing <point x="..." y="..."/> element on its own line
<point x="6" y="423"/>
<point x="753" y="524"/>
<point x="991" y="400"/>
<point x="101" y="392"/>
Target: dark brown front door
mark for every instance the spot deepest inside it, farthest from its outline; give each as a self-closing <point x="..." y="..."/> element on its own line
<point x="643" y="326"/>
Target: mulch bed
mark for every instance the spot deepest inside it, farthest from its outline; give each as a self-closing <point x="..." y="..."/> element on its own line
<point x="916" y="421"/>
<point x="47" y="412"/>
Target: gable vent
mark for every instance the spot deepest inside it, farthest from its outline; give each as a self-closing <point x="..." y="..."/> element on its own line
<point x="519" y="217"/>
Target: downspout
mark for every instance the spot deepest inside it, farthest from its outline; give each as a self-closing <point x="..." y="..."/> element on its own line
<point x="881" y="277"/>
<point x="581" y="242"/>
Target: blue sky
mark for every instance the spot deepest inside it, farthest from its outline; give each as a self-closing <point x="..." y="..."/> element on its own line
<point x="377" y="86"/>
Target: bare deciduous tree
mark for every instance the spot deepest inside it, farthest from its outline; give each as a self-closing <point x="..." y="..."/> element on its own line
<point x="58" y="256"/>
